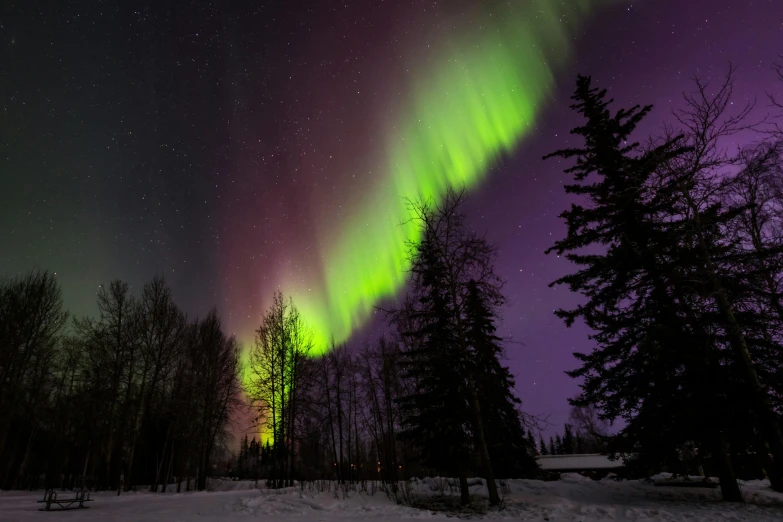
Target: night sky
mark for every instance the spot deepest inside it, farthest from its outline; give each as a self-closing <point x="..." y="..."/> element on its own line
<point x="233" y="146"/>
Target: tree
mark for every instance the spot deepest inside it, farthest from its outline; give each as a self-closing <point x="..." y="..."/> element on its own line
<point x="758" y="189"/>
<point x="31" y="327"/>
<point x="591" y="430"/>
<point x="132" y="396"/>
<point x="215" y="359"/>
<point x="242" y="458"/>
<point x="531" y="441"/>
<point x="568" y="441"/>
<point x="647" y="329"/>
<point x="726" y="269"/>
<point x="381" y="388"/>
<point x="507" y="445"/>
<point x="338" y="371"/>
<point x="160" y="326"/>
<point x="279" y="375"/>
<point x="436" y="412"/>
<point x="446" y="259"/>
<point x="112" y="346"/>
<point x="542" y="449"/>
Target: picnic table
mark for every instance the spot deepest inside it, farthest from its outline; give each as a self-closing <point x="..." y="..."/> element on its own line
<point x="73" y="497"/>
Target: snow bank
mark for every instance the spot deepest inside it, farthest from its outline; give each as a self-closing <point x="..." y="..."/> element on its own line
<point x="572" y="499"/>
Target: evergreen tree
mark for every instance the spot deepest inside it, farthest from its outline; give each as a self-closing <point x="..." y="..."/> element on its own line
<point x="558" y="445"/>
<point x="531" y="441"/>
<point x="552" y="449"/>
<point x="436" y="413"/>
<point x="655" y="354"/>
<point x="253" y="459"/>
<point x="503" y="428"/>
<point x="445" y="336"/>
<point x="242" y="458"/>
<point x="542" y="449"/>
<point x="568" y="440"/>
<point x="266" y="454"/>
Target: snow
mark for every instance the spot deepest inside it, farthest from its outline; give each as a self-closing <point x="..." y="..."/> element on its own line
<point x="578" y="462"/>
<point x="572" y="499"/>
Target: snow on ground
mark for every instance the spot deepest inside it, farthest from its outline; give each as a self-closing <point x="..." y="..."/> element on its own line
<point x="572" y="499"/>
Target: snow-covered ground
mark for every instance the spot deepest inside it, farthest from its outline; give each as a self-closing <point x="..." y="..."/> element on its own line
<point x="572" y="499"/>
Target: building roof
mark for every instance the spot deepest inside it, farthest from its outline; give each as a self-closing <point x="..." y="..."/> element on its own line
<point x="586" y="461"/>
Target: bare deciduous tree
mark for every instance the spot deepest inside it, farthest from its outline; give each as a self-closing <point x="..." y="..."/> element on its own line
<point x="698" y="174"/>
<point x="280" y="374"/>
<point x="115" y="392"/>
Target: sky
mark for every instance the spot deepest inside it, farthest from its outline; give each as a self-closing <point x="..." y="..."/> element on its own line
<point x="244" y="147"/>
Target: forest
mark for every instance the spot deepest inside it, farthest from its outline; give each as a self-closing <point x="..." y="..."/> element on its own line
<point x="140" y="394"/>
<point x="677" y="246"/>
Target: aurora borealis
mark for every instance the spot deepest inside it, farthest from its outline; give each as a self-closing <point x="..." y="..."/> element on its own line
<point x="471" y="99"/>
<point x="243" y="147"/>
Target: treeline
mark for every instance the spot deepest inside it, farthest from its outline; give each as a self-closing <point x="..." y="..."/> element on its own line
<point x="434" y="398"/>
<point x="138" y="395"/>
<point x="250" y="459"/>
<point x="679" y="246"/>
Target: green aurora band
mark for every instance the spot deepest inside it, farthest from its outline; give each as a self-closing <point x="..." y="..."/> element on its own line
<point x="477" y="102"/>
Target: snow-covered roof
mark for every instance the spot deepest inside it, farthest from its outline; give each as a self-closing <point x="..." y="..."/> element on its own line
<point x="586" y="461"/>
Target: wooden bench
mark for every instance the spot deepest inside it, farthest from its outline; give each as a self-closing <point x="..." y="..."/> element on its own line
<point x="50" y="497"/>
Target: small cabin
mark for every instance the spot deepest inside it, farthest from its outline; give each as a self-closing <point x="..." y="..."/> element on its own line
<point x="591" y="465"/>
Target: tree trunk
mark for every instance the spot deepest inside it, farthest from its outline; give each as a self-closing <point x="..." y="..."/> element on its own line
<point x="464" y="490"/>
<point x="481" y="444"/>
<point x="356" y="443"/>
<point x="769" y="420"/>
<point x="728" y="480"/>
<point x="770" y="423"/>
<point x="86" y="461"/>
<point x="7" y="478"/>
<point x="338" y="397"/>
<point x="349" y="435"/>
<point x="168" y="473"/>
<point x="201" y="475"/>
<point x="137" y="422"/>
<point x="161" y="460"/>
<point x="329" y="414"/>
<point x="291" y="435"/>
<point x="475" y="407"/>
<point x="20" y="471"/>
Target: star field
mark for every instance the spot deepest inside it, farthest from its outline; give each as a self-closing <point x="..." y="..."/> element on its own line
<point x="221" y="144"/>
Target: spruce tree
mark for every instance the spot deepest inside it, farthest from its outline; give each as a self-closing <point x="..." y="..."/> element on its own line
<point x="542" y="449"/>
<point x="436" y="414"/>
<point x="440" y="353"/>
<point x="503" y="428"/>
<point x="568" y="440"/>
<point x="242" y="458"/>
<point x="552" y="449"/>
<point x="655" y="354"/>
